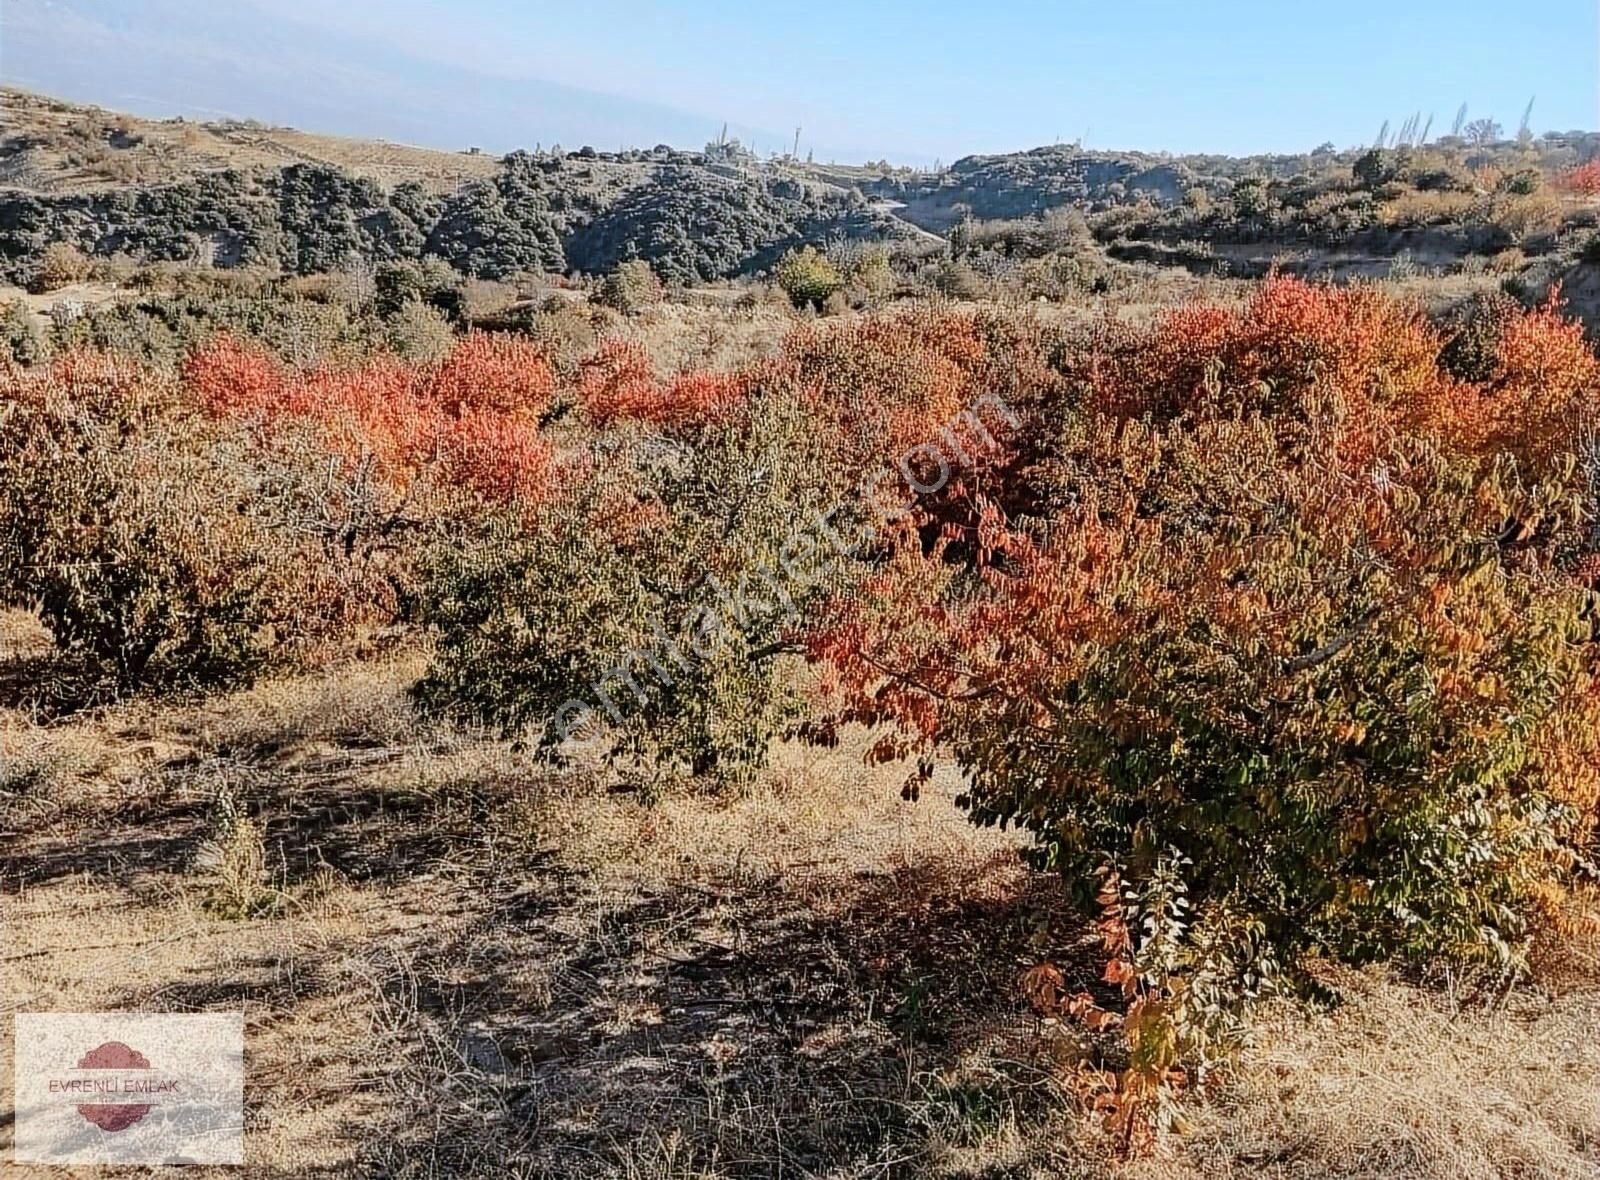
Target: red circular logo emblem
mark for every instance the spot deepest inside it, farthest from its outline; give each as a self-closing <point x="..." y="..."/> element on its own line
<point x="113" y="1055"/>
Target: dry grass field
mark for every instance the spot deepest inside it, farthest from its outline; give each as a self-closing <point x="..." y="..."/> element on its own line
<point x="454" y="962"/>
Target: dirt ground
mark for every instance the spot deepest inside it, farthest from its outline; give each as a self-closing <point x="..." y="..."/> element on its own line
<point x="455" y="962"/>
<point x="82" y="294"/>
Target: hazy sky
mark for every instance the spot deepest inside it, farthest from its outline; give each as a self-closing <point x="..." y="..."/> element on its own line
<point x="913" y="81"/>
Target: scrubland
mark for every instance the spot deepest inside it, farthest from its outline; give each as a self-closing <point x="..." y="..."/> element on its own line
<point x="1046" y="701"/>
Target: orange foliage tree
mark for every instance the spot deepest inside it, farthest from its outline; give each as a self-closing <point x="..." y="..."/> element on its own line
<point x="135" y="530"/>
<point x="619" y="384"/>
<point x="712" y="483"/>
<point x="1295" y="645"/>
<point x="399" y="430"/>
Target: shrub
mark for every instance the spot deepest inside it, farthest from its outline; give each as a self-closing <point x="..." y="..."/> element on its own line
<point x="1252" y="197"/>
<point x="163" y="328"/>
<point x="631" y="287"/>
<point x="1584" y="179"/>
<point x="1522" y="183"/>
<point x="418" y="332"/>
<point x="1335" y="217"/>
<point x="683" y="537"/>
<point x="396" y="285"/>
<point x="869" y="277"/>
<point x="117" y="270"/>
<point x="1119" y="703"/>
<point x="20" y="338"/>
<point x="233" y="859"/>
<point x="1471" y="350"/>
<point x="618" y="384"/>
<point x="1522" y="217"/>
<point x="1417" y="208"/>
<point x="955" y="278"/>
<point x="564" y="331"/>
<point x="495" y="228"/>
<point x="134" y="533"/>
<point x="1066" y="276"/>
<point x="60" y="265"/>
<point x="807" y="277"/>
<point x="1442" y="180"/>
<point x="1373" y="168"/>
<point x="1282" y="654"/>
<point x="648" y="608"/>
<point x="399" y="433"/>
<point x="880" y="386"/>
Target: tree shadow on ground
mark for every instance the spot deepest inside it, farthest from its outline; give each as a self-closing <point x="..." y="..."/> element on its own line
<point x="537" y="1023"/>
<point x="750" y="1032"/>
<point x="367" y="832"/>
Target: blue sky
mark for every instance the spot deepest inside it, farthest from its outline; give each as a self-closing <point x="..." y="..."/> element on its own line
<point x="913" y="81"/>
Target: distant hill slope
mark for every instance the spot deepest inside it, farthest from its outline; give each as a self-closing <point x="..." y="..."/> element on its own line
<point x="1024" y="184"/>
<point x="49" y="145"/>
<point x="234" y="193"/>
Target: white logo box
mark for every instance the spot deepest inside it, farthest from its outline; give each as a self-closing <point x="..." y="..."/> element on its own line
<point x="129" y="1088"/>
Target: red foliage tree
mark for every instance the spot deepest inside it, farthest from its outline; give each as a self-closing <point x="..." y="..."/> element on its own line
<point x="1291" y="608"/>
<point x="471" y="419"/>
<point x="1583" y="179"/>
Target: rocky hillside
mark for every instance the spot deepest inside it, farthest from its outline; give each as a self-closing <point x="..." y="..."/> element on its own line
<point x="239" y="193"/>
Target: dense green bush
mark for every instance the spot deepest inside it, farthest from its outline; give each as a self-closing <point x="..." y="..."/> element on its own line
<point x="692" y="224"/>
<point x="163" y="328"/>
<point x="134" y="533"/>
<point x="648" y="610"/>
<point x="1524" y="182"/>
<point x="1373" y="168"/>
<point x="431" y="281"/>
<point x="305" y="218"/>
<point x="20" y="337"/>
<point x="326" y="219"/>
<point x="496" y="228"/>
<point x="808" y="277"/>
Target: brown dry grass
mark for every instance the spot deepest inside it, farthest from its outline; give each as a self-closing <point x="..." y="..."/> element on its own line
<point x="708" y="330"/>
<point x="472" y="966"/>
<point x="71" y="146"/>
<point x="1398" y="1082"/>
<point x="1415" y="208"/>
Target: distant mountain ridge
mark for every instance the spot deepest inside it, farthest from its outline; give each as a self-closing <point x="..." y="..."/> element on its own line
<point x="240" y="192"/>
<point x="183" y="57"/>
<point x="233" y="192"/>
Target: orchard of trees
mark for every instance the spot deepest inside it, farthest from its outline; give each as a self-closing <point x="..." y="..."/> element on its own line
<point x="1277" y="627"/>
